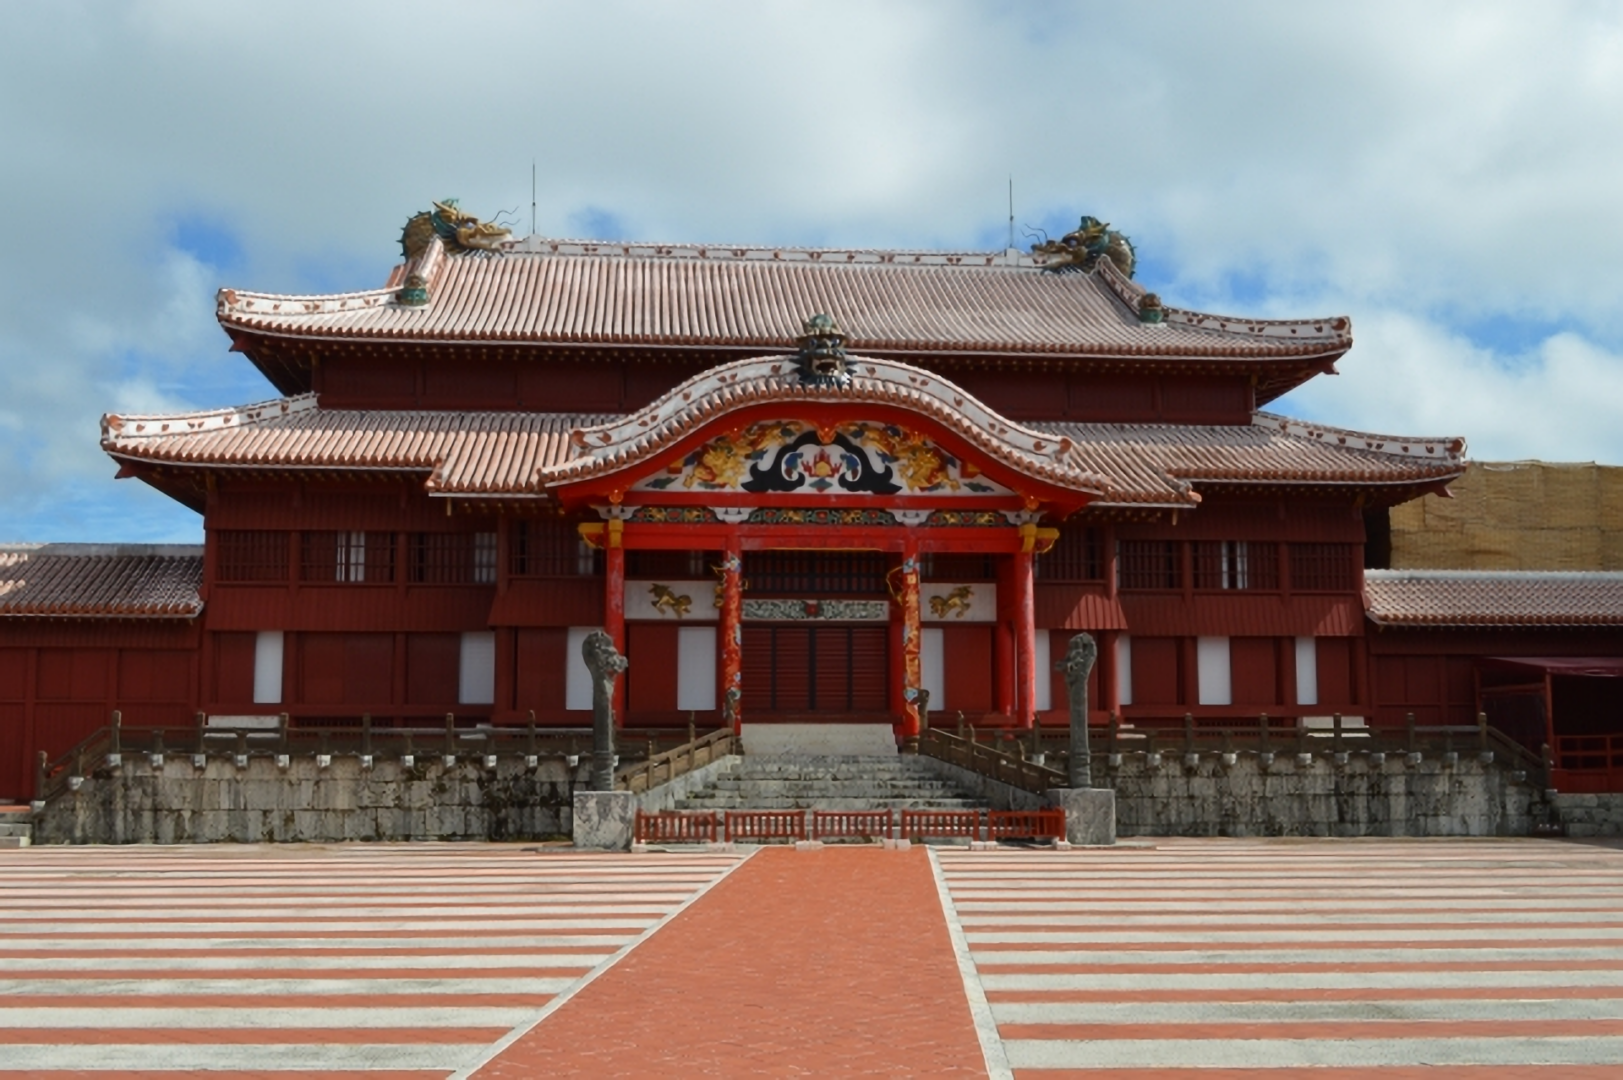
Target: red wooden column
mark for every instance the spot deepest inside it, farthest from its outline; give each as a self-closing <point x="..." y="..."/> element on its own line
<point x="1025" y="626"/>
<point x="732" y="634"/>
<point x="1003" y="642"/>
<point x="912" y="639"/>
<point x="614" y="604"/>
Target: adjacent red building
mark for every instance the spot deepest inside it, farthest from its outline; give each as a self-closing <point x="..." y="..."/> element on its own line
<point x="790" y="483"/>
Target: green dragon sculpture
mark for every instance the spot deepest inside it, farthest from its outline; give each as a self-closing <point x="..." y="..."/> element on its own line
<point x="1091" y="241"/>
<point x="460" y="232"/>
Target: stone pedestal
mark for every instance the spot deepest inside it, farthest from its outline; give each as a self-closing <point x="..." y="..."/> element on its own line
<point x="604" y="820"/>
<point x="1090" y="814"/>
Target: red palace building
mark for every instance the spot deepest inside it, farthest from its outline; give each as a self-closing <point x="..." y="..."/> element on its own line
<point x="789" y="483"/>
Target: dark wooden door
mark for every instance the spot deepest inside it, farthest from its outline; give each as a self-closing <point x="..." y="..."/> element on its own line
<point x="802" y="669"/>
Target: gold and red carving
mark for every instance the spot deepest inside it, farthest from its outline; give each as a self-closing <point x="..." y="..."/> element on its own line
<point x="731" y="571"/>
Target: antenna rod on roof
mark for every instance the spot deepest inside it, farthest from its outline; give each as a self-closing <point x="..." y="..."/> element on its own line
<point x="1011" y="213"/>
<point x="532" y="197"/>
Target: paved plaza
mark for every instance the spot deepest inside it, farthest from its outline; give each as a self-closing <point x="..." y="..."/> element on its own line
<point x="1181" y="958"/>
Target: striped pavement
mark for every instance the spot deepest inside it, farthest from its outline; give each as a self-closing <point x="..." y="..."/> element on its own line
<point x="400" y="960"/>
<point x="1220" y="958"/>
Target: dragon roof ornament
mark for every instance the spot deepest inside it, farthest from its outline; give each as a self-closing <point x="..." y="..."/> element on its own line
<point x="461" y="232"/>
<point x="1083" y="247"/>
<point x="822" y="353"/>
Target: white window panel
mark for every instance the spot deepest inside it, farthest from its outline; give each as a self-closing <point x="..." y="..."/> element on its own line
<point x="1045" y="673"/>
<point x="268" y="668"/>
<point x="1307" y="671"/>
<point x="478" y="681"/>
<point x="933" y="666"/>
<point x="577" y="679"/>
<point x="1124" y="668"/>
<point x="695" y="667"/>
<point x="1216" y="678"/>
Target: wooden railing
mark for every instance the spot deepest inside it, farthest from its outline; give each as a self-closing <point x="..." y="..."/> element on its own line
<point x="977" y="757"/>
<point x="765" y="826"/>
<point x="663" y="768"/>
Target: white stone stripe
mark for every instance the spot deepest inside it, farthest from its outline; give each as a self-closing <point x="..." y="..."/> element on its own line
<point x="1173" y="939"/>
<point x="251" y="1058"/>
<point x="227" y="987"/>
<point x="72" y="1017"/>
<point x="169" y="967"/>
<point x="1252" y="958"/>
<point x="1287" y="980"/>
<point x="1385" y="924"/>
<point x="148" y="944"/>
<point x="1276" y="1012"/>
<point x="1305" y="1053"/>
<point x="129" y="932"/>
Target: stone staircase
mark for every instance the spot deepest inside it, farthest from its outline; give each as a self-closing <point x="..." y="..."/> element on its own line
<point x="16" y="828"/>
<point x="896" y="782"/>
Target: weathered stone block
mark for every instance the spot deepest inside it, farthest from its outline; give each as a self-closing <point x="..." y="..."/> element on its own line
<point x="1090" y="814"/>
<point x="603" y="820"/>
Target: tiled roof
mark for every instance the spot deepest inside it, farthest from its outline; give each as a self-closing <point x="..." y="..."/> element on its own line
<point x="627" y="441"/>
<point x="1493" y="598"/>
<point x="1158" y="463"/>
<point x="577" y="292"/>
<point x="111" y="581"/>
<point x="463" y="452"/>
<point x="513" y="453"/>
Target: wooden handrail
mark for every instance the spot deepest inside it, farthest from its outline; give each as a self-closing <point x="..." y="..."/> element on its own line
<point x="663" y="768"/>
<point x="1010" y="769"/>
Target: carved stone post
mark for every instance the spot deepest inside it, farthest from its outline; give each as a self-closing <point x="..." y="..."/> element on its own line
<point x="605" y="664"/>
<point x="1076" y="667"/>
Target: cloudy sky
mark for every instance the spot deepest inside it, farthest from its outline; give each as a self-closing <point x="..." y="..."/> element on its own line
<point x="1445" y="173"/>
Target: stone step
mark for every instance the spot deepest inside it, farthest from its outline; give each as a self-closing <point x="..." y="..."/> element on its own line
<point x="700" y="802"/>
<point x="16" y="828"/>
<point x="14" y="841"/>
<point x="877" y="789"/>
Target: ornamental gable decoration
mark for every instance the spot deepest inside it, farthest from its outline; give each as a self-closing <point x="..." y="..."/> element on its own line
<point x="855" y="458"/>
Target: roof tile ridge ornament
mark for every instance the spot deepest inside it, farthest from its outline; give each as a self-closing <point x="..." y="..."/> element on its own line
<point x="115" y="426"/>
<point x="421" y="274"/>
<point x="459" y="232"/>
<point x="1437" y="448"/>
<point x="619" y="443"/>
<point x="758" y="253"/>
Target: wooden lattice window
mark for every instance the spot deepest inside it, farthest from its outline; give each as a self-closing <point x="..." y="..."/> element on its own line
<point x="957" y="566"/>
<point x="1150" y="564"/>
<point x="452" y="558"/>
<point x="551" y="547"/>
<point x="1075" y="556"/>
<point x="1322" y="568"/>
<point x="816" y="573"/>
<point x="250" y="555"/>
<point x="348" y="556"/>
<point x="1236" y="564"/>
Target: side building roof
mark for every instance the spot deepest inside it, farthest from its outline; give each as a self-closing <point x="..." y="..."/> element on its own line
<point x="1493" y="598"/>
<point x="101" y="581"/>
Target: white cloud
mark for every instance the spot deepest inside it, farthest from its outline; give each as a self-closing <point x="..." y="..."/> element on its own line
<point x="1423" y="166"/>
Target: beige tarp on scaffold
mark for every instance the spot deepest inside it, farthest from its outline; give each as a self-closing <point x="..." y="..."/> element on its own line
<point x="1517" y="515"/>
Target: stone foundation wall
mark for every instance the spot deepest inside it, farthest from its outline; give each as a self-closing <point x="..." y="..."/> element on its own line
<point x="177" y="802"/>
<point x="1363" y="795"/>
<point x="1591" y="815"/>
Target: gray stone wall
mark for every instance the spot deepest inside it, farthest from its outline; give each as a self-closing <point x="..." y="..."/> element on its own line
<point x="1590" y="815"/>
<point x="1360" y="795"/>
<point x="177" y="802"/>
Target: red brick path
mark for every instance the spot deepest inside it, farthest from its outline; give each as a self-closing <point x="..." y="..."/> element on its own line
<point x="834" y="962"/>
